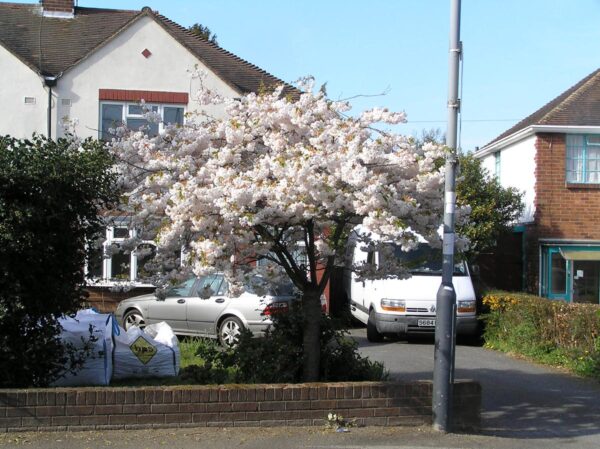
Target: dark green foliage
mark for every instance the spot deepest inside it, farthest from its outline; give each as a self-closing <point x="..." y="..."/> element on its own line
<point x="493" y="207"/>
<point x="553" y="332"/>
<point x="50" y="196"/>
<point x="204" y="32"/>
<point x="278" y="357"/>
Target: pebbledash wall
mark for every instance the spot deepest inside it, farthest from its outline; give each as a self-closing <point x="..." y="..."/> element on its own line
<point x="368" y="403"/>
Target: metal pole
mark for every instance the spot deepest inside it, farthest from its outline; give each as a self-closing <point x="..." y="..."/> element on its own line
<point x="443" y="372"/>
<point x="49" y="112"/>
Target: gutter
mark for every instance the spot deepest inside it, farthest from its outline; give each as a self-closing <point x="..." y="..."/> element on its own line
<point x="531" y="130"/>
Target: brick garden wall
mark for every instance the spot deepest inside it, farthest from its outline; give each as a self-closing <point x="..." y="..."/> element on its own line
<point x="105" y="301"/>
<point x="370" y="403"/>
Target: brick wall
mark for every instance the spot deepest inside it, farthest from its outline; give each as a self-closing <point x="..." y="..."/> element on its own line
<point x="105" y="301"/>
<point x="58" y="5"/>
<point x="561" y="211"/>
<point x="370" y="403"/>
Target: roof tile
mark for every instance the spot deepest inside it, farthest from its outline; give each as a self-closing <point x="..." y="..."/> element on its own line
<point x="577" y="106"/>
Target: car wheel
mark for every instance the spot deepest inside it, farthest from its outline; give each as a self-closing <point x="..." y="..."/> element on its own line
<point x="230" y="331"/>
<point x="373" y="334"/>
<point x="133" y="318"/>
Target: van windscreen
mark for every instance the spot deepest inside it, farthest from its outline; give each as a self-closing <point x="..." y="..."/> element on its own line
<point x="425" y="260"/>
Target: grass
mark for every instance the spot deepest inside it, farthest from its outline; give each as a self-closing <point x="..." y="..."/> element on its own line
<point x="188" y="348"/>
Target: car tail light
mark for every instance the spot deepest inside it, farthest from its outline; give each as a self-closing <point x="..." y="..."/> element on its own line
<point x="276" y="307"/>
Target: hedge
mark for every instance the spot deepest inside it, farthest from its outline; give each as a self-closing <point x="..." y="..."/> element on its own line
<point x="548" y="331"/>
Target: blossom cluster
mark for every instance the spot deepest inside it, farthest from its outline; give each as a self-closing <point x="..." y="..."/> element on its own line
<point x="277" y="177"/>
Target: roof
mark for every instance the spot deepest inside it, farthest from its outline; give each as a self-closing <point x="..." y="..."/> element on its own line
<point x="577" y="106"/>
<point x="51" y="46"/>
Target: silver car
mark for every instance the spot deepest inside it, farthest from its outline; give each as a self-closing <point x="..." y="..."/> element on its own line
<point x="190" y="311"/>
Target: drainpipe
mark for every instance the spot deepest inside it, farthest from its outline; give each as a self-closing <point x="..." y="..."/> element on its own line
<point x="50" y="82"/>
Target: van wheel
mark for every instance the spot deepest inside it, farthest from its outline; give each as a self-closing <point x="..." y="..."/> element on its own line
<point x="373" y="334"/>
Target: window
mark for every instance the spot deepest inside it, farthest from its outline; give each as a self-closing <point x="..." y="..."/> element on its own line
<point x="114" y="114"/>
<point x="583" y="159"/>
<point x="110" y="263"/>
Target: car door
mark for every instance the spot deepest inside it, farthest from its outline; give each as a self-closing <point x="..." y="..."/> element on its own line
<point x="202" y="311"/>
<point x="173" y="308"/>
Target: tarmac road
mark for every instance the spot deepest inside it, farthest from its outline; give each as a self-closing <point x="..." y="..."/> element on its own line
<point x="520" y="399"/>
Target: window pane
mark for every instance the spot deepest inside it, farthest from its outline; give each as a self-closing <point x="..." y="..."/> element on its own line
<point x="575" y="158"/>
<point x="137" y="109"/>
<point x="151" y="129"/>
<point x="173" y="115"/>
<point x="145" y="253"/>
<point x="120" y="233"/>
<point x="120" y="265"/>
<point x="559" y="276"/>
<point x="593" y="140"/>
<point x="94" y="263"/>
<point x="183" y="289"/>
<point x="209" y="285"/>
<point x="593" y="164"/>
<point x="112" y="117"/>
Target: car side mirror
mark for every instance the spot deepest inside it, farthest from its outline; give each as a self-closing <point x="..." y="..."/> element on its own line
<point x="475" y="270"/>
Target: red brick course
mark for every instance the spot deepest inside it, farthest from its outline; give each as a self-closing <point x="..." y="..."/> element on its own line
<point x="149" y="96"/>
<point x="368" y="403"/>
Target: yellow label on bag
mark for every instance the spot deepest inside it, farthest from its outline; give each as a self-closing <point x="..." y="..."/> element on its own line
<point x="143" y="350"/>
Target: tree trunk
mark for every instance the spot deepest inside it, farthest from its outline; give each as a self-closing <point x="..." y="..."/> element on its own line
<point x="311" y="305"/>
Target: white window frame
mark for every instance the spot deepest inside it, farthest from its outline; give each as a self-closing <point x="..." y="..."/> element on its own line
<point x="125" y="112"/>
<point x="106" y="280"/>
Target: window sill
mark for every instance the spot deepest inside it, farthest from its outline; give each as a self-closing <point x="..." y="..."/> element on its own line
<point x="574" y="185"/>
<point x="103" y="283"/>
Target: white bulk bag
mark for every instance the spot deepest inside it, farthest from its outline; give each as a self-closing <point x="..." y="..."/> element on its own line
<point x="97" y="367"/>
<point x="149" y="352"/>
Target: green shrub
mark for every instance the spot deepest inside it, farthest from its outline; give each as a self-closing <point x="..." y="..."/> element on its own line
<point x="277" y="357"/>
<point x="548" y="331"/>
<point x="51" y="193"/>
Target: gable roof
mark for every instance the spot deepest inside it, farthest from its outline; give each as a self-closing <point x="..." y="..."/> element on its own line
<point x="577" y="106"/>
<point x="50" y="46"/>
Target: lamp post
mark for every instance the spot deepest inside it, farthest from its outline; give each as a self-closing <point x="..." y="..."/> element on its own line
<point x="445" y="329"/>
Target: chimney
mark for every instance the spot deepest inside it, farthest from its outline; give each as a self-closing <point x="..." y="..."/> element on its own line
<point x="61" y="9"/>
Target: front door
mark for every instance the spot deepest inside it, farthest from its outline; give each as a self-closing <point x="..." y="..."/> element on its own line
<point x="586" y="281"/>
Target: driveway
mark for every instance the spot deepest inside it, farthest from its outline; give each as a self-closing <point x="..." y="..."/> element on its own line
<point x="520" y="399"/>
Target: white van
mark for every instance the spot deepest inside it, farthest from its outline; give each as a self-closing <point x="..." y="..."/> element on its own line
<point x="405" y="306"/>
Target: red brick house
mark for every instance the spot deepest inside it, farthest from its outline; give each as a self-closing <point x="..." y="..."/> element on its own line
<point x="553" y="155"/>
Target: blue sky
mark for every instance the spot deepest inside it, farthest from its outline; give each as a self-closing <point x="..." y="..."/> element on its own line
<point x="518" y="54"/>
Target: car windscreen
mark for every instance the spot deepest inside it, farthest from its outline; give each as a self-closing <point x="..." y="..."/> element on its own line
<point x="425" y="260"/>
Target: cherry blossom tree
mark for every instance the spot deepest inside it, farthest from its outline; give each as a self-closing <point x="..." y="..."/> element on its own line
<point x="279" y="176"/>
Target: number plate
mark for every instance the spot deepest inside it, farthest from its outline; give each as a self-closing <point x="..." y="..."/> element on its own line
<point x="426" y="323"/>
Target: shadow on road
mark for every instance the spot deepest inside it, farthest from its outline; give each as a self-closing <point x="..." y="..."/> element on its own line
<point x="520" y="399"/>
<point x="534" y="405"/>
